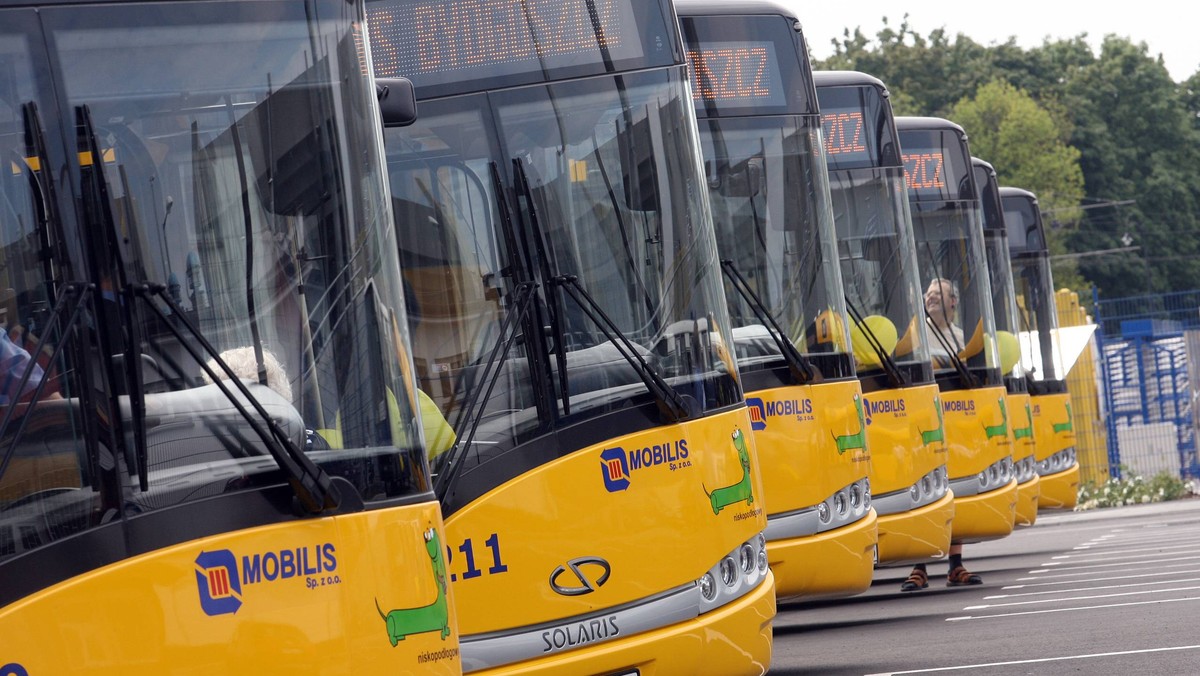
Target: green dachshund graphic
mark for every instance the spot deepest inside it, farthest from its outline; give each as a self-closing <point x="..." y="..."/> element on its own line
<point x="1065" y="426"/>
<point x="433" y="617"/>
<point x="853" y="441"/>
<point x="1001" y="429"/>
<point x="938" y="433"/>
<point x="1025" y="432"/>
<point x="728" y="495"/>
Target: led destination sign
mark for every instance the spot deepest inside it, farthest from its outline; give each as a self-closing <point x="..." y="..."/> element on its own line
<point x="844" y="133"/>
<point x="443" y="41"/>
<point x="925" y="172"/>
<point x="740" y="73"/>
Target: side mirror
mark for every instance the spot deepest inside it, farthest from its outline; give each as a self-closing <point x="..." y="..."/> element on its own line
<point x="397" y="101"/>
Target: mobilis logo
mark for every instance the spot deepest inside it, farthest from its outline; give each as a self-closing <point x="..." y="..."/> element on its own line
<point x="220" y="578"/>
<point x="617" y="465"/>
<point x="883" y="406"/>
<point x="759" y="410"/>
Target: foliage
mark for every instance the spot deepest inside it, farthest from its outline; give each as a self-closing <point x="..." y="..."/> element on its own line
<point x="1135" y="131"/>
<point x="1028" y="147"/>
<point x="1134" y="490"/>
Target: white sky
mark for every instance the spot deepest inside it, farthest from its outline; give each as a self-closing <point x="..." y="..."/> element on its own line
<point x="1168" y="27"/>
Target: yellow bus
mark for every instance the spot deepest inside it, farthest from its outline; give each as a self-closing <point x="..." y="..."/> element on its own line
<point x="947" y="220"/>
<point x="1052" y="424"/>
<point x="603" y="498"/>
<point x="211" y="457"/>
<point x="769" y="191"/>
<point x="1004" y="306"/>
<point x="876" y="250"/>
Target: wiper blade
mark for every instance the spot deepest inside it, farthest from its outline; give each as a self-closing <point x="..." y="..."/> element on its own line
<point x="670" y="403"/>
<point x="522" y="297"/>
<point x="895" y="376"/>
<point x="100" y="208"/>
<point x="313" y="487"/>
<point x="560" y="351"/>
<point x="799" y="365"/>
<point x="79" y="295"/>
<point x="968" y="378"/>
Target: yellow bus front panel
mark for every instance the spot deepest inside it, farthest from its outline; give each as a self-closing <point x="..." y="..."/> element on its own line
<point x="1061" y="490"/>
<point x="1028" y="496"/>
<point x="812" y="444"/>
<point x="363" y="593"/>
<point x="980" y="463"/>
<point x="906" y="436"/>
<point x="735" y="639"/>
<point x="917" y="535"/>
<point x="613" y="541"/>
<point x="1020" y="412"/>
<point x="986" y="516"/>
<point x="1054" y="429"/>
<point x="834" y="563"/>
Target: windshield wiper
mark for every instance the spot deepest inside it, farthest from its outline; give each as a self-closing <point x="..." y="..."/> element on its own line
<point x="895" y="376"/>
<point x="670" y="403"/>
<point x="968" y="378"/>
<point x="560" y="339"/>
<point x="521" y="300"/>
<point x="799" y="365"/>
<point x="313" y="486"/>
<point x="100" y="208"/>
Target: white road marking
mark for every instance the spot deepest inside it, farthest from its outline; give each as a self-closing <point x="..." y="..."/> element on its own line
<point x="1156" y="561"/>
<point x="1043" y="577"/>
<point x="1110" y="552"/>
<point x="1081" y="598"/>
<point x="1068" y="610"/>
<point x="961" y="667"/>
<point x="1098" y="579"/>
<point x="1084" y="589"/>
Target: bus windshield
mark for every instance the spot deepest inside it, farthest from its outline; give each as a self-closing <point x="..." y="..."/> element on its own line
<point x="229" y="183"/>
<point x="874" y="232"/>
<point x="999" y="261"/>
<point x="1034" y="286"/>
<point x="767" y="188"/>
<point x="560" y="184"/>
<point x="947" y="222"/>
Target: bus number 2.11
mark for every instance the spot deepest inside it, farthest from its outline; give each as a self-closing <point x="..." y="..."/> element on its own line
<point x="468" y="551"/>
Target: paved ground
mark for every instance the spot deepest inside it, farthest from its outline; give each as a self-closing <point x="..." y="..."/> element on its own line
<point x="1113" y="591"/>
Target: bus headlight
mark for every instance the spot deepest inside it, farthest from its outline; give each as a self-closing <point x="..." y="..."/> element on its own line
<point x="823" y="512"/>
<point x="762" y="552"/>
<point x="747" y="558"/>
<point x="728" y="571"/>
<point x="708" y="587"/>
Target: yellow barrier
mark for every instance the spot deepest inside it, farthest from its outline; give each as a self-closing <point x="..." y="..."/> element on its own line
<point x="1091" y="437"/>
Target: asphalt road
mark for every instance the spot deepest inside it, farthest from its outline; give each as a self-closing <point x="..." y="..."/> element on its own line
<point x="1113" y="591"/>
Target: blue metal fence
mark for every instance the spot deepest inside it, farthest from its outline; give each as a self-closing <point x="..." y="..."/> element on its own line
<point x="1150" y="352"/>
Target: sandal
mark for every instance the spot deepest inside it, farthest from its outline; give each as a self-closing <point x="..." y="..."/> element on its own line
<point x="960" y="577"/>
<point x="918" y="579"/>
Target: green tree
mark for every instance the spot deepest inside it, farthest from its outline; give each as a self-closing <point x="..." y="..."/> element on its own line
<point x="1138" y="144"/>
<point x="1027" y="146"/>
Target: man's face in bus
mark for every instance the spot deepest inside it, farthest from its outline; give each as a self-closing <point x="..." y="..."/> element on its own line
<point x="941" y="301"/>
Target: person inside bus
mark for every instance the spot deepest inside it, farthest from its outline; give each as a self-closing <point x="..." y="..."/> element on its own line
<point x="941" y="305"/>
<point x="941" y="309"/>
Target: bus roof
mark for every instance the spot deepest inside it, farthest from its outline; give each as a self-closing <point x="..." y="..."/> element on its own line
<point x="726" y="8"/>
<point x="847" y="78"/>
<point x="904" y="123"/>
<point x="1006" y="191"/>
